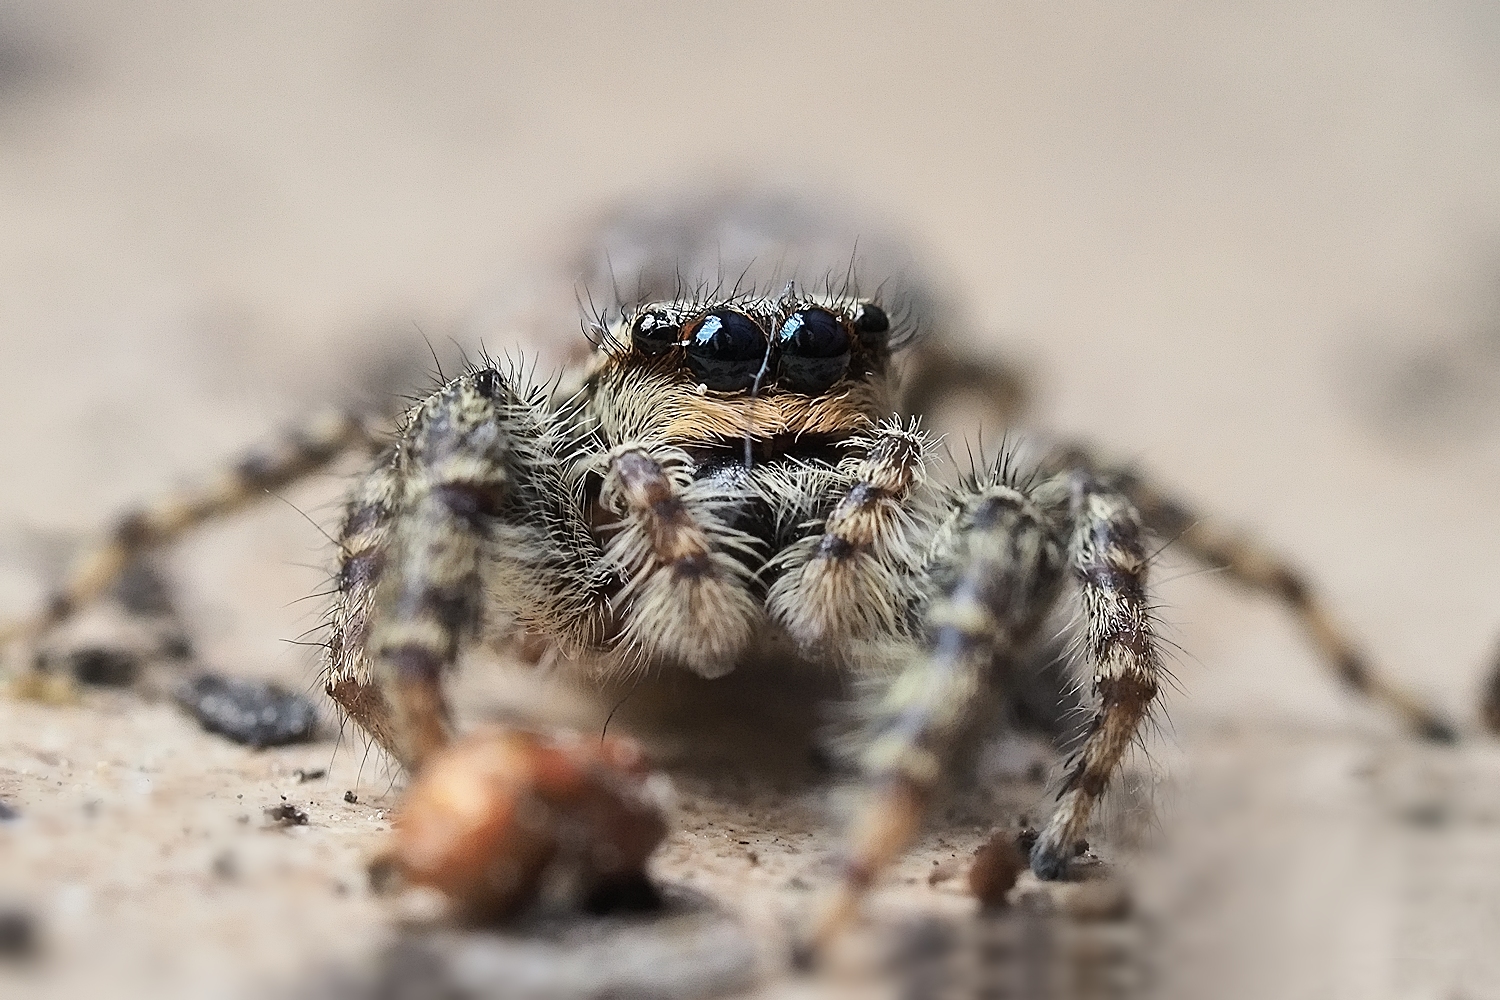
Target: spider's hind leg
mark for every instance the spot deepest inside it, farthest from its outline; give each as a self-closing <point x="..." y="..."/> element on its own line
<point x="936" y="370"/>
<point x="1251" y="564"/>
<point x="307" y="449"/>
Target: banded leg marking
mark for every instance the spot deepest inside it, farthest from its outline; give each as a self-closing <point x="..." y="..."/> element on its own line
<point x="364" y="548"/>
<point x="300" y="453"/>
<point x="1109" y="559"/>
<point x="999" y="569"/>
<point x="1259" y="568"/>
<point x="687" y="594"/>
<point x="854" y="580"/>
<point x="455" y="469"/>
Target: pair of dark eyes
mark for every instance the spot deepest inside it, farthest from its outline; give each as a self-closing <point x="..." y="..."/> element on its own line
<point x="726" y="349"/>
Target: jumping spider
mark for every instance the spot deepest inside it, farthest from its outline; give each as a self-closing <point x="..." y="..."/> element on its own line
<point x="732" y="467"/>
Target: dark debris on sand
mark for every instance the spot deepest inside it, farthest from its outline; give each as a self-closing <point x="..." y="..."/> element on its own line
<point x="251" y="712"/>
<point x="285" y="815"/>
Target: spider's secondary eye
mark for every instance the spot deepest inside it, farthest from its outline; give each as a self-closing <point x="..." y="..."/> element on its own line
<point x="725" y="350"/>
<point x="814" y="351"/>
<point x="653" y="333"/>
<point x="872" y="324"/>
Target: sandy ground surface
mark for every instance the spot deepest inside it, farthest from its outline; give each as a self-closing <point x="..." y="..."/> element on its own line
<point x="1220" y="241"/>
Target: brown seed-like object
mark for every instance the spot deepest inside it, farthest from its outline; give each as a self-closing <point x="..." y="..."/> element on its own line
<point x="504" y="816"/>
<point x="996" y="867"/>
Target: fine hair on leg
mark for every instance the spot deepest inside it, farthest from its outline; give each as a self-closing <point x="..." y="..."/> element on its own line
<point x="1252" y="564"/>
<point x="1109" y="560"/>
<point x="310" y="446"/>
<point x="997" y="567"/>
<point x="855" y="576"/>
<point x="688" y="597"/>
<point x="475" y="501"/>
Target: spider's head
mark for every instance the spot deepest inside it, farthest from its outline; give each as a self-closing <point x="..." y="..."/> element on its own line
<point x="760" y="346"/>
<point x="781" y="372"/>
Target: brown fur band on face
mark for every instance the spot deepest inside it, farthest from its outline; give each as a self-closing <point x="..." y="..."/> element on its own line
<point x="658" y="402"/>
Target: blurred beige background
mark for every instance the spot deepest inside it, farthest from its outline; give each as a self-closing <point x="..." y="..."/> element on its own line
<point x="1216" y="233"/>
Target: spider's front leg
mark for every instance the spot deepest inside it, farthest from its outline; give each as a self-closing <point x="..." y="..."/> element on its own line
<point x="687" y="597"/>
<point x="997" y="567"/>
<point x="852" y="581"/>
<point x="457" y="473"/>
<point x="484" y="504"/>
<point x="473" y="496"/>
<point x="1108" y="555"/>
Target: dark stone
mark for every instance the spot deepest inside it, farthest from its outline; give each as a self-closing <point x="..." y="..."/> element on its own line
<point x="254" y="713"/>
<point x="286" y="814"/>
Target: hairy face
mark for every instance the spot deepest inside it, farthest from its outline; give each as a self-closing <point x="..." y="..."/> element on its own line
<point x="784" y="376"/>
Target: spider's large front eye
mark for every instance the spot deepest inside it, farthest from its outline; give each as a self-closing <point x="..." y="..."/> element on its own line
<point x="814" y="347"/>
<point x="653" y="332"/>
<point x="871" y="324"/>
<point x="725" y="349"/>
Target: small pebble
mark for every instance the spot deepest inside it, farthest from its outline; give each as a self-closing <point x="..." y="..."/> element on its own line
<point x="254" y="713"/>
<point x="350" y="797"/>
<point x="286" y="814"/>
<point x="996" y="867"/>
<point x="944" y="870"/>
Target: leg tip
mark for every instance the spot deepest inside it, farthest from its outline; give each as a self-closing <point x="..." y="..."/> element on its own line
<point x="1049" y="862"/>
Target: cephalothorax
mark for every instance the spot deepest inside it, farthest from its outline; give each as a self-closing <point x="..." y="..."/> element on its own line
<point x="725" y="466"/>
